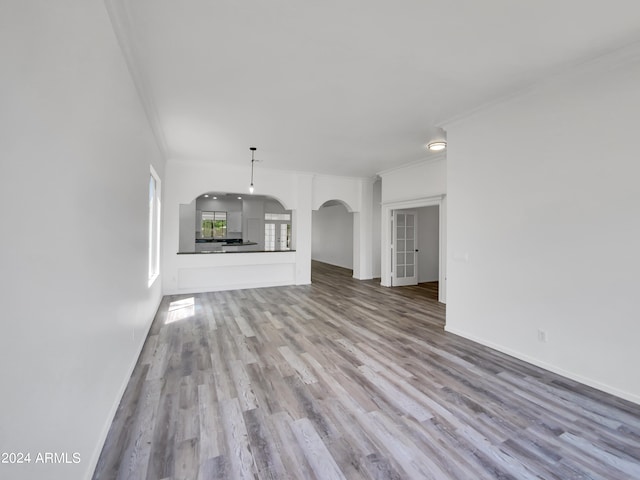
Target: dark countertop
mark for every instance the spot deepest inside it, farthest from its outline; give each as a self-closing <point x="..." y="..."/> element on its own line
<point x="225" y="241"/>
<point x="207" y="252"/>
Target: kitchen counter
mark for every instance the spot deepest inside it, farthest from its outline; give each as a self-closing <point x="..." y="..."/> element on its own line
<point x="232" y="270"/>
<point x="234" y="251"/>
<point x="223" y="245"/>
<point x="225" y="241"/>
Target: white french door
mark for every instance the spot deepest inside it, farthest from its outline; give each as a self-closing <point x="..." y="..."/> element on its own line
<point x="277" y="235"/>
<point x="404" y="270"/>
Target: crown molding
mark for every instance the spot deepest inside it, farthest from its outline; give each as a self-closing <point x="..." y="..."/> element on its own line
<point x="120" y="17"/>
<point x="363" y="178"/>
<point x="212" y="164"/>
<point x="422" y="161"/>
<point x="604" y="61"/>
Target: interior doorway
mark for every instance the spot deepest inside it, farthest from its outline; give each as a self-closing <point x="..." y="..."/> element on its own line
<point x="415" y="245"/>
<point x="389" y="257"/>
<point x="332" y="234"/>
<point x="428" y="244"/>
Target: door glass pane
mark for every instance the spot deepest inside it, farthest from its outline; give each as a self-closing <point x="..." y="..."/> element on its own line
<point x="409" y="232"/>
<point x="400" y="247"/>
<point x="220" y="224"/>
<point x="409" y="271"/>
<point x="409" y="258"/>
<point x="270" y="236"/>
<point x="208" y="219"/>
<point x="400" y="272"/>
<point x="282" y="241"/>
<point x="401" y="219"/>
<point x="400" y="259"/>
<point x="410" y="247"/>
<point x="409" y="220"/>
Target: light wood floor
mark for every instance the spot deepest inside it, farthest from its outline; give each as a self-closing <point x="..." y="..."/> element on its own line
<point x="346" y="379"/>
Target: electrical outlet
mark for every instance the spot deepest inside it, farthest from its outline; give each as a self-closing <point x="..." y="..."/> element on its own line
<point x="542" y="336"/>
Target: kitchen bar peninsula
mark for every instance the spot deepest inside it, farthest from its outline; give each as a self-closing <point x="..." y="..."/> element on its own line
<point x="210" y="270"/>
<point x="230" y="241"/>
<point x="227" y="245"/>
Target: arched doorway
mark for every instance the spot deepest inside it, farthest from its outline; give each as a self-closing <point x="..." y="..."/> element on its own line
<point x="332" y="234"/>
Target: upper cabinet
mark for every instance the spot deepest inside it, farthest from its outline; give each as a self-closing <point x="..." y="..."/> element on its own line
<point x="234" y="222"/>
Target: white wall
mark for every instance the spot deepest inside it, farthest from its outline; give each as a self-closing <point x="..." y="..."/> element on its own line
<point x="543" y="225"/>
<point x="75" y="149"/>
<point x="330" y="187"/>
<point x="428" y="244"/>
<point x="333" y="236"/>
<point x="418" y="180"/>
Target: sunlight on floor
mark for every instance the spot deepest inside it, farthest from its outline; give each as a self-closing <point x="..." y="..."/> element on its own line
<point x="180" y="310"/>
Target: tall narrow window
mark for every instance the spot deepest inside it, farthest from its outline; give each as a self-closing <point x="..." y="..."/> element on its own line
<point x="154" y="226"/>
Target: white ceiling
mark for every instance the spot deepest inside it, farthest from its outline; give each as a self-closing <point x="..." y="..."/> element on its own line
<point x="348" y="87"/>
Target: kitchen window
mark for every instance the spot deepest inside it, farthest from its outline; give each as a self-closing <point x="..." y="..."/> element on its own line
<point x="214" y="225"/>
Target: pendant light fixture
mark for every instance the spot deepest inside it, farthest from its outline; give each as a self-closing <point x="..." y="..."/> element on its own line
<point x="253" y="160"/>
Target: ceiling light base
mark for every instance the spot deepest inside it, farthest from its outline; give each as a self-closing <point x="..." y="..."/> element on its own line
<point x="437" y="146"/>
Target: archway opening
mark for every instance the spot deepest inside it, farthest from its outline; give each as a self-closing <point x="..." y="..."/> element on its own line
<point x="332" y="235"/>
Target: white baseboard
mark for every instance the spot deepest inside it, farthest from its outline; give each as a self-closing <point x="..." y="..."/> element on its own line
<point x="547" y="366"/>
<point x="223" y="288"/>
<point x="112" y="412"/>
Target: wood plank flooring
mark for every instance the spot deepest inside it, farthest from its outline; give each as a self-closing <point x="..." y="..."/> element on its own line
<point x="347" y="379"/>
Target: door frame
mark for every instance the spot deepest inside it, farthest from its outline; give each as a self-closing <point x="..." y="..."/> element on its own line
<point x="387" y="232"/>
